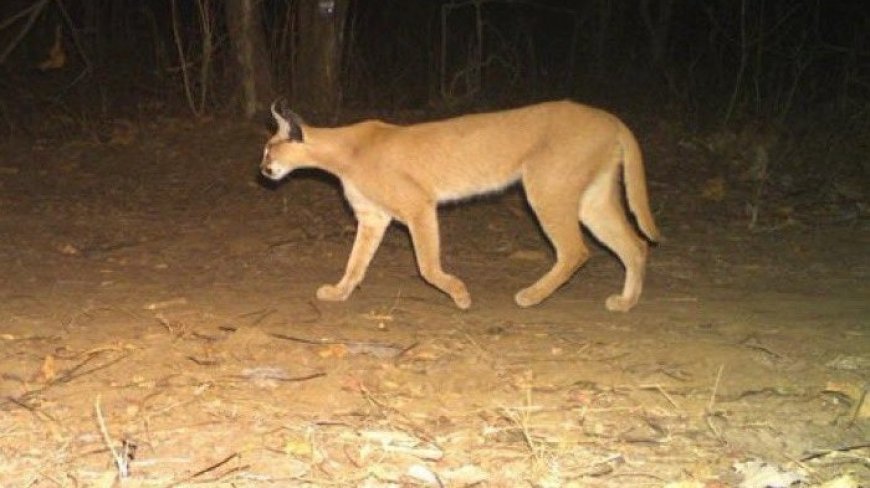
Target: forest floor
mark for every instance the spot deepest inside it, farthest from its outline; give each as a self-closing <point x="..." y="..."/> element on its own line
<point x="157" y="316"/>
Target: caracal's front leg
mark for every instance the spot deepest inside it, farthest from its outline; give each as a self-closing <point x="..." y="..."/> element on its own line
<point x="423" y="226"/>
<point x="371" y="225"/>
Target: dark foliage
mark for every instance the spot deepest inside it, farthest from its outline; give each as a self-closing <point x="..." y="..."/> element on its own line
<point x="713" y="62"/>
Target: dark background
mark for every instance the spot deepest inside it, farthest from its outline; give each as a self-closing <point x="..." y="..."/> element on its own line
<point x="798" y="69"/>
<point x="712" y="60"/>
<point x="794" y="72"/>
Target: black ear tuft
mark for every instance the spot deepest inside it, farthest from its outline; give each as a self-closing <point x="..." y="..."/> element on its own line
<point x="296" y="127"/>
<point x="281" y="106"/>
<point x="296" y="122"/>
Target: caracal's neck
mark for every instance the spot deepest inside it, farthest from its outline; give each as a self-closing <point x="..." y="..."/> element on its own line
<point x="333" y="148"/>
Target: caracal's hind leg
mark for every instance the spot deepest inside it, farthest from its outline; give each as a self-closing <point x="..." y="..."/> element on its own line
<point x="423" y="226"/>
<point x="603" y="213"/>
<point x="555" y="204"/>
<point x="370" y="229"/>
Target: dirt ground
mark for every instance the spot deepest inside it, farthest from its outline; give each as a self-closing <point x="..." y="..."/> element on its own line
<point x="158" y="319"/>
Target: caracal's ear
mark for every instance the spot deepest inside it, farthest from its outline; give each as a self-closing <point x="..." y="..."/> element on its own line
<point x="289" y="123"/>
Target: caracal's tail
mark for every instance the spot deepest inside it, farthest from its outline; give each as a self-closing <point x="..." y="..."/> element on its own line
<point x="635" y="183"/>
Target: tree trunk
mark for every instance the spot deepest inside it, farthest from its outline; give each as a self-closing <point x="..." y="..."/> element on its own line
<point x="658" y="25"/>
<point x="248" y="41"/>
<point x="317" y="82"/>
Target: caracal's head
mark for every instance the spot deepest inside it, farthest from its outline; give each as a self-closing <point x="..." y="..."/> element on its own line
<point x="286" y="150"/>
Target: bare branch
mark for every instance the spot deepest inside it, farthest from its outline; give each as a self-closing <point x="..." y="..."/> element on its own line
<point x="33" y="11"/>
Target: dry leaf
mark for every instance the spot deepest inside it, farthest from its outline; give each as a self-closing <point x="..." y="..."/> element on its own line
<point x="850" y="390"/>
<point x="48" y="371"/>
<point x="299" y="447"/>
<point x="68" y="249"/>
<point x="758" y="474"/>
<point x="845" y="481"/>
<point x="424" y="474"/>
<point x="338" y="351"/>
<point x="466" y="475"/>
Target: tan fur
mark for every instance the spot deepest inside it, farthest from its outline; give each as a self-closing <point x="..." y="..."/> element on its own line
<point x="568" y="157"/>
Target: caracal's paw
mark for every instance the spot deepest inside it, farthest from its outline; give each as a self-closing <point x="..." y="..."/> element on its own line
<point x="463" y="301"/>
<point x="459" y="293"/>
<point x="330" y="293"/>
<point x="618" y="303"/>
<point x="527" y="298"/>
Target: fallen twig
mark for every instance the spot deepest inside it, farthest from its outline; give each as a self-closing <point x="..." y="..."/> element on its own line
<point x="753" y="343"/>
<point x="408" y="422"/>
<point x="820" y="453"/>
<point x="661" y="390"/>
<point x="121" y="462"/>
<point x="258" y="315"/>
<point x="303" y="340"/>
<point x="268" y="375"/>
<point x="712" y="401"/>
<point x="208" y="469"/>
<point x="30" y="408"/>
<point x="68" y="376"/>
<point x="377" y="349"/>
